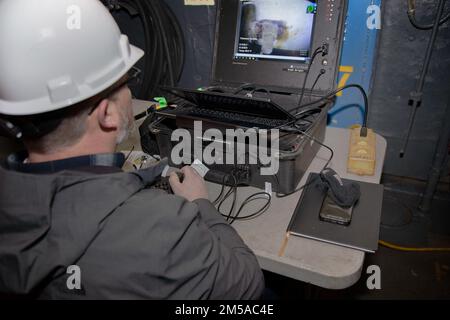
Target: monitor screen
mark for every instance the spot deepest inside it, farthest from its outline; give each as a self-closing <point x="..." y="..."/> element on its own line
<point x="275" y="29"/>
<point x="270" y="43"/>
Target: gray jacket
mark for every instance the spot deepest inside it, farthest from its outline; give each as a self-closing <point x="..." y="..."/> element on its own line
<point x="129" y="242"/>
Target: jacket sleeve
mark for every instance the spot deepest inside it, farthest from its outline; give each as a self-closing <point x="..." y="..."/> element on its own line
<point x="219" y="226"/>
<point x="207" y="258"/>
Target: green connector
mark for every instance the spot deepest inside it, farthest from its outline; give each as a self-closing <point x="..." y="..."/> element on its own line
<point x="162" y="102"/>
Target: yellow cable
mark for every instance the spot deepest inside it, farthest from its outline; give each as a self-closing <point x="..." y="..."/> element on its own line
<point x="396" y="247"/>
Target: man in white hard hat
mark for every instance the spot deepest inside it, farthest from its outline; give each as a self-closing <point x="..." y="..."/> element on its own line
<point x="72" y="223"/>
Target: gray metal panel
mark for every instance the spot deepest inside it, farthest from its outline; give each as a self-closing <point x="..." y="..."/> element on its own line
<point x="417" y="160"/>
<point x="400" y="58"/>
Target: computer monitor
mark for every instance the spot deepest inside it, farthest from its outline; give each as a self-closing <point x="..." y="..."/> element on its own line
<point x="270" y="43"/>
<point x="277" y="30"/>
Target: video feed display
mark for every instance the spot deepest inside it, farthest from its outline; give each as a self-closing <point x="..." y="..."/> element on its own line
<point x="275" y="29"/>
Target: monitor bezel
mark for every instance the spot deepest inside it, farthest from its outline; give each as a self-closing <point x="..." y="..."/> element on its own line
<point x="283" y="76"/>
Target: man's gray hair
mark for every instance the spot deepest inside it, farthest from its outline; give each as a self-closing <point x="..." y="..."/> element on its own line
<point x="71" y="128"/>
<point x="70" y="131"/>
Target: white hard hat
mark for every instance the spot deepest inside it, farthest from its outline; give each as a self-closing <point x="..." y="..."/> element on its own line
<point x="55" y="53"/>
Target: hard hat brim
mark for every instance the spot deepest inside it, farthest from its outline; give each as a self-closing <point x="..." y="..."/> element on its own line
<point x="85" y="91"/>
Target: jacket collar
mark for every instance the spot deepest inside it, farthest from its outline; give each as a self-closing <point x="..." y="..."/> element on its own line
<point x="114" y="161"/>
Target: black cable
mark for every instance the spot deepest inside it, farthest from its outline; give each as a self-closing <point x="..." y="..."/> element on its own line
<point x="177" y="41"/>
<point x="269" y="94"/>
<point x="154" y="6"/>
<point x="323" y="145"/>
<point x="219" y="197"/>
<point x="232" y="190"/>
<point x="321" y="73"/>
<point x="244" y="86"/>
<point x="305" y="114"/>
<point x="267" y="205"/>
<point x="214" y="89"/>
<point x="332" y="94"/>
<point x="307" y="111"/>
<point x="307" y="184"/>
<point x="279" y="195"/>
<point x="247" y="201"/>
<point x="150" y="53"/>
<point x="254" y="88"/>
<point x="222" y="189"/>
<point x="416" y="24"/>
<point x="164" y="44"/>
<point x="316" y="52"/>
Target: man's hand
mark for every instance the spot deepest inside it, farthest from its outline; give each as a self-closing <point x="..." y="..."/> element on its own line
<point x="193" y="186"/>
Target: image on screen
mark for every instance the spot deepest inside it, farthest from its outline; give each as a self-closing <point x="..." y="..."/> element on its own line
<point x="275" y="29"/>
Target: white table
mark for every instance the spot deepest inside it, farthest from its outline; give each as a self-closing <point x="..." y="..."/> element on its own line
<point x="325" y="265"/>
<point x="322" y="264"/>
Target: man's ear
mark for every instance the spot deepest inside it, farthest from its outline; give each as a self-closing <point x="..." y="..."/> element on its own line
<point x="106" y="114"/>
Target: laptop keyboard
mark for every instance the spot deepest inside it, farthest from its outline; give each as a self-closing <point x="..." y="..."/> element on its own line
<point x="237" y="118"/>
